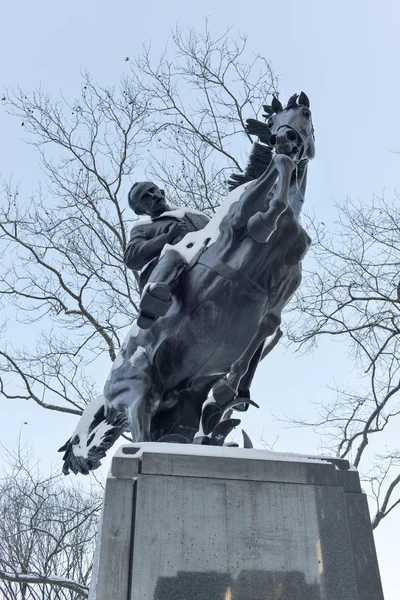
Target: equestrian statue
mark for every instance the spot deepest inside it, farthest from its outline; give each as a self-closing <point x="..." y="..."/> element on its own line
<point x="212" y="295"/>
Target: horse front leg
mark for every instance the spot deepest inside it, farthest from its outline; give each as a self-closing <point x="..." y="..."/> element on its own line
<point x="255" y="197"/>
<point x="263" y="224"/>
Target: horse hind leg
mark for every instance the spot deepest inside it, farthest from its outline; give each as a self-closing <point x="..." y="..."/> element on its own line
<point x="140" y="409"/>
<point x="226" y="389"/>
<point x="179" y="413"/>
<point x="130" y="391"/>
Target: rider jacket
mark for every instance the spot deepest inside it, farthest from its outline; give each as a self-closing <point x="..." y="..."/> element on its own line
<point x="149" y="237"/>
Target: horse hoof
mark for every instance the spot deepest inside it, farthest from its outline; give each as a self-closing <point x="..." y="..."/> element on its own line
<point x="222" y="430"/>
<point x="223" y="394"/>
<point x="210" y="417"/>
<point x="242" y="403"/>
<point x="247" y="443"/>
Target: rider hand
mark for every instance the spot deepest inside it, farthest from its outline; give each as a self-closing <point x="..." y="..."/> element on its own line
<point x="176" y="232"/>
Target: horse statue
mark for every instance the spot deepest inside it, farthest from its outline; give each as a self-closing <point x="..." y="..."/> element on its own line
<point x="176" y="381"/>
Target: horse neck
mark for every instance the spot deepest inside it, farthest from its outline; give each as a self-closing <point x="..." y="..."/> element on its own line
<point x="298" y="184"/>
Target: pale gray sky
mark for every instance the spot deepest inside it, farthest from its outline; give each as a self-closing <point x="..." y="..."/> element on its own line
<point x="343" y="54"/>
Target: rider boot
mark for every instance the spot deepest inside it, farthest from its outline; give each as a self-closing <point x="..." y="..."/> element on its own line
<point x="156" y="297"/>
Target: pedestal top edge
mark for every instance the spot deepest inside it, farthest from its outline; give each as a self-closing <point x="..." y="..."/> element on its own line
<point x="138" y="450"/>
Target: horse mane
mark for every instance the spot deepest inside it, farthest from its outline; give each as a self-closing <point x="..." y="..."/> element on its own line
<point x="259" y="159"/>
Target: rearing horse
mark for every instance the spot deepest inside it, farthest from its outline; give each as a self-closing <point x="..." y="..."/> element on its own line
<point x="243" y="268"/>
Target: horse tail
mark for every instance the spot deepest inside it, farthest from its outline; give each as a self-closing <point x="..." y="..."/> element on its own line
<point x="97" y="430"/>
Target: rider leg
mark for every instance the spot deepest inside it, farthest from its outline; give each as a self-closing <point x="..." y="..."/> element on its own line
<point x="156" y="297"/>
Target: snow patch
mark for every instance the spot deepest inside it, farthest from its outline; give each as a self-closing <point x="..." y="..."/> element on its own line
<point x="180" y="213"/>
<point x="118" y="362"/>
<point x="194" y="241"/>
<point x="136" y="355"/>
<point x="98" y="433"/>
<point x="133" y="332"/>
<point x="119" y="359"/>
<point x="176" y="212"/>
<point x="220" y="451"/>
<point x="141" y="221"/>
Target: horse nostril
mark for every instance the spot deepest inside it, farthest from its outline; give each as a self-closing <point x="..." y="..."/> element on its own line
<point x="291" y="135"/>
<point x="272" y="139"/>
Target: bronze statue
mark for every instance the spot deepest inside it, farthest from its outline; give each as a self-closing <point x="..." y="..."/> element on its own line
<point x="175" y="380"/>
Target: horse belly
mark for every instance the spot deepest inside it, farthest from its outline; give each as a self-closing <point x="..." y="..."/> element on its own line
<point x="214" y="320"/>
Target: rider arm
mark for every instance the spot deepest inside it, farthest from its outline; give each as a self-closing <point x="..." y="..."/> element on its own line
<point x="141" y="250"/>
<point x="148" y="240"/>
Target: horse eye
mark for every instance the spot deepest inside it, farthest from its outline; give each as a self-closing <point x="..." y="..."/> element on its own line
<point x="270" y="123"/>
<point x="152" y="190"/>
<point x="306" y="113"/>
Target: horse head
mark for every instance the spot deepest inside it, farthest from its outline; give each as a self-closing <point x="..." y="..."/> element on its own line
<point x="291" y="128"/>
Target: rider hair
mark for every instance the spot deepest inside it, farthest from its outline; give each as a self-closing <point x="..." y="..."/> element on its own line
<point x="133" y="203"/>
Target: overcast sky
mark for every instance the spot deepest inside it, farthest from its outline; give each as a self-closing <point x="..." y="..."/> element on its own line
<point x="343" y="54"/>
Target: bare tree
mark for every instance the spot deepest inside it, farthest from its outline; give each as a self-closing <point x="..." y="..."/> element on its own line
<point x="47" y="533"/>
<point x="354" y="295"/>
<point x="180" y="119"/>
<point x="64" y="244"/>
<point x="205" y="92"/>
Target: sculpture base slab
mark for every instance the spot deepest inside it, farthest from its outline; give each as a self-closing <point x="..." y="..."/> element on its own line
<point x="204" y="523"/>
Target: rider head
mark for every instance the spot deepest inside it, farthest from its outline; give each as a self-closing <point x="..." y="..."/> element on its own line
<point x="145" y="198"/>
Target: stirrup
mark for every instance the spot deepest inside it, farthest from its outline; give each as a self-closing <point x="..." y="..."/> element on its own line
<point x="154" y="303"/>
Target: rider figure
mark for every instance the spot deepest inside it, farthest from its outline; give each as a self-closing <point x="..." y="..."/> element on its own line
<point x="148" y="238"/>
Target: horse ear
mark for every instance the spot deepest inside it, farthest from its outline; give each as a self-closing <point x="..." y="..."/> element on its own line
<point x="303" y="99"/>
<point x="268" y="109"/>
<point x="292" y="102"/>
<point x="276" y="105"/>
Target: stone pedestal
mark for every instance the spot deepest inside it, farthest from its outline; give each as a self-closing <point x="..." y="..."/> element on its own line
<point x="204" y="523"/>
